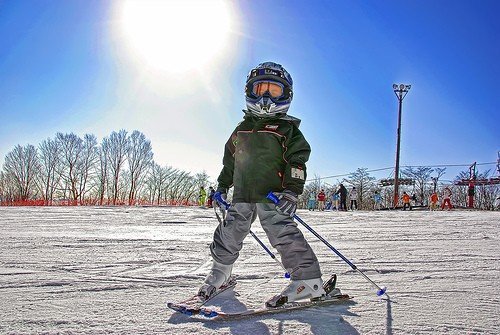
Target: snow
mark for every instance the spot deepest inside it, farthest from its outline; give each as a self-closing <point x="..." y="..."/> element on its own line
<point x="110" y="270"/>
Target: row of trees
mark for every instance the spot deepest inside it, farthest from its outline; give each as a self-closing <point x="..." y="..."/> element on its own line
<point x="121" y="170"/>
<point x="73" y="170"/>
<point x="426" y="181"/>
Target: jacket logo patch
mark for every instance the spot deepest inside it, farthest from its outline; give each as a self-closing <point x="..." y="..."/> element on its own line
<point x="271" y="127"/>
<point x="297" y="173"/>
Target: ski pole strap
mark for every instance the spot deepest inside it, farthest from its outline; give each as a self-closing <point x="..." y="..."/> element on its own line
<point x="218" y="197"/>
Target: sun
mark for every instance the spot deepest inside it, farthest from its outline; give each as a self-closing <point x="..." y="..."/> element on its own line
<point x="175" y="35"/>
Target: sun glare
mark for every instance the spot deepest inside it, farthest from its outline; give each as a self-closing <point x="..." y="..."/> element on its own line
<point x="175" y="35"/>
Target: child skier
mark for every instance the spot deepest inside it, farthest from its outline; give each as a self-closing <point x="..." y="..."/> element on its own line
<point x="266" y="152"/>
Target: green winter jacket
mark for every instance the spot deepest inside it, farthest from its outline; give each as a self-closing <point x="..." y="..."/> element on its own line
<point x="262" y="155"/>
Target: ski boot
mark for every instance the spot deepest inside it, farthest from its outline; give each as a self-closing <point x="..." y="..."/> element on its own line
<point x="299" y="290"/>
<point x="219" y="275"/>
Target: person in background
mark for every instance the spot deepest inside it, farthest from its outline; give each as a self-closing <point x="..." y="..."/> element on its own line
<point x="321" y="200"/>
<point x="446" y="199"/>
<point x="211" y="193"/>
<point x="311" y="202"/>
<point x="377" y="201"/>
<point x="202" y="196"/>
<point x="335" y="201"/>
<point x="354" y="198"/>
<point x="414" y="199"/>
<point x="434" y="200"/>
<point x="342" y="192"/>
<point x="406" y="201"/>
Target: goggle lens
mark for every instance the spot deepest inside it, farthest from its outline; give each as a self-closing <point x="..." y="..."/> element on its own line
<point x="274" y="89"/>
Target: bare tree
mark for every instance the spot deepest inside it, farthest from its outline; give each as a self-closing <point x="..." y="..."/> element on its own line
<point x="71" y="147"/>
<point x="116" y="155"/>
<point x="180" y="186"/>
<point x="168" y="176"/>
<point x="102" y="171"/>
<point x="440" y="172"/>
<point x="50" y="159"/>
<point x="22" y="165"/>
<point x="161" y="182"/>
<point x="363" y="182"/>
<point x="6" y="189"/>
<point x="421" y="176"/>
<point x="87" y="164"/>
<point x="139" y="157"/>
<point x="154" y="183"/>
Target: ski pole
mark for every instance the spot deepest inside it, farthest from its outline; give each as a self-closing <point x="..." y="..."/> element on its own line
<point x="380" y="290"/>
<point x="219" y="198"/>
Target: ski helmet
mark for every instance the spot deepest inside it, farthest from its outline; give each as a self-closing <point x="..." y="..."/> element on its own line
<point x="268" y="90"/>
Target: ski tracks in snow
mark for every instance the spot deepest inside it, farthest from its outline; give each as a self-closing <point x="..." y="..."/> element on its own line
<point x="86" y="270"/>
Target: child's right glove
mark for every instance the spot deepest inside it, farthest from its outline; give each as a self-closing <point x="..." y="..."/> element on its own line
<point x="223" y="195"/>
<point x="287" y="204"/>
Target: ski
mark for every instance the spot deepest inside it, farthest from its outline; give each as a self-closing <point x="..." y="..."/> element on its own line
<point x="214" y="314"/>
<point x="192" y="306"/>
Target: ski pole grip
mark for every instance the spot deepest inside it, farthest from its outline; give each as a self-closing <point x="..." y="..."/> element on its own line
<point x="271" y="196"/>
<point x="218" y="197"/>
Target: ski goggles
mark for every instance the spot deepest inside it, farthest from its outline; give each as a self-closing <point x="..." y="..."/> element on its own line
<point x="261" y="87"/>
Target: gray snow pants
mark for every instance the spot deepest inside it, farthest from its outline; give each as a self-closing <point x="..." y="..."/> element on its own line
<point x="296" y="254"/>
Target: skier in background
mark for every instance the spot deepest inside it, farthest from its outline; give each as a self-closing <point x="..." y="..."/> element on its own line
<point x="434" y="200"/>
<point x="266" y="152"/>
<point x="414" y="199"/>
<point x="311" y="202"/>
<point x="202" y="196"/>
<point x="354" y="198"/>
<point x="377" y="201"/>
<point x="321" y="200"/>
<point x="446" y="199"/>
<point x="211" y="193"/>
<point x="406" y="201"/>
<point x="335" y="201"/>
<point x="342" y="192"/>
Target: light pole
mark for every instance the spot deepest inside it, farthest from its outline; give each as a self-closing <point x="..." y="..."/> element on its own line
<point x="400" y="90"/>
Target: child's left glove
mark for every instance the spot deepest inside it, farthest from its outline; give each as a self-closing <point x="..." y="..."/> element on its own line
<point x="287" y="204"/>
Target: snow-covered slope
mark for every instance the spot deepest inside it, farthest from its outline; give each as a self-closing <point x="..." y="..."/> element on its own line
<point x="111" y="270"/>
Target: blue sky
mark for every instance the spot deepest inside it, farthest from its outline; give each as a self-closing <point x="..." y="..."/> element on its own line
<point x="68" y="66"/>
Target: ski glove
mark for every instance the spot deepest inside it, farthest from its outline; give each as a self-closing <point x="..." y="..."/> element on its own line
<point x="223" y="194"/>
<point x="287" y="204"/>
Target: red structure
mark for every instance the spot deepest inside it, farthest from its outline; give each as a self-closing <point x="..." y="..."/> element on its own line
<point x="473" y="181"/>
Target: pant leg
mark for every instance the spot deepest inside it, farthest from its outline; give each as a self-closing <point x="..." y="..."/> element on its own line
<point x="296" y="254"/>
<point x="228" y="237"/>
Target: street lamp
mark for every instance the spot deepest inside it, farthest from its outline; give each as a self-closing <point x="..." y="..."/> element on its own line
<point x="400" y="90"/>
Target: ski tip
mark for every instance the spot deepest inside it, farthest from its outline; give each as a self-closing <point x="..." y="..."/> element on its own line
<point x="180" y="309"/>
<point x="287" y="275"/>
<point x="381" y="292"/>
